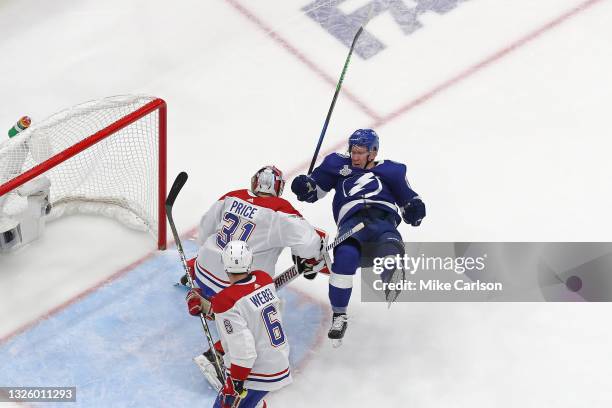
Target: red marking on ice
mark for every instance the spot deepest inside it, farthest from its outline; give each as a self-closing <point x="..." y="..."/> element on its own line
<point x="78" y="297"/>
<point x="88" y="291"/>
<point x="302" y="57"/>
<point x="485" y="62"/>
<point x="445" y="85"/>
<point x="378" y="121"/>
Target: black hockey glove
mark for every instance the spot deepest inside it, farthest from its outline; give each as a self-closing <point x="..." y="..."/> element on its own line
<point x="310" y="267"/>
<point x="305" y="188"/>
<point x="414" y="212"/>
<point x="305" y="267"/>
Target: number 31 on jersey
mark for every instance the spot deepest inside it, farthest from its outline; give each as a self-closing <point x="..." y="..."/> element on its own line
<point x="231" y="226"/>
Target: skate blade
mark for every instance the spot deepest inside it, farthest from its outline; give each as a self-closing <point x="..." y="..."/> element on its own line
<point x="209" y="372"/>
<point x="336" y="343"/>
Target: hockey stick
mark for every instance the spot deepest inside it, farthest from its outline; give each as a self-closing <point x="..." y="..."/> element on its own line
<point x="291" y="273"/>
<point x="338" y="86"/>
<point x="178" y="184"/>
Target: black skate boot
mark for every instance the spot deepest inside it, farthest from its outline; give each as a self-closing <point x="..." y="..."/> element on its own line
<point x="338" y="327"/>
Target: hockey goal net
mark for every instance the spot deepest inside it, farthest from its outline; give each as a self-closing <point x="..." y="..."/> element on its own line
<point x="104" y="157"/>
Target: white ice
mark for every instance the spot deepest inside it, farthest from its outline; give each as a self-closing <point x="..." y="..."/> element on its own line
<point x="515" y="150"/>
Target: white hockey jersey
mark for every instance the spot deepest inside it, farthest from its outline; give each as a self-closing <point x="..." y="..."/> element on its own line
<point x="267" y="224"/>
<point x="249" y="322"/>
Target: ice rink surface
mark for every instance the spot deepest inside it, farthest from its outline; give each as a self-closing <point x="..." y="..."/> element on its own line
<point x="499" y="108"/>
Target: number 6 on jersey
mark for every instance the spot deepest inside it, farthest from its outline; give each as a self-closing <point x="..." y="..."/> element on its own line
<point x="274" y="327"/>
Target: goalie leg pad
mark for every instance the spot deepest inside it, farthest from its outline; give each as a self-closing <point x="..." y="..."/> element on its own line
<point x="208" y="370"/>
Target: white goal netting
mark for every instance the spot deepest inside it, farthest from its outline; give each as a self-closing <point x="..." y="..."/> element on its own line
<point x="115" y="165"/>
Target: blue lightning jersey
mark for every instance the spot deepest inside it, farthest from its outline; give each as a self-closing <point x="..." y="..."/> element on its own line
<point x="384" y="186"/>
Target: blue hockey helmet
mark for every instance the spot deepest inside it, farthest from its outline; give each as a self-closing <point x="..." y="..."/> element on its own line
<point x="364" y="137"/>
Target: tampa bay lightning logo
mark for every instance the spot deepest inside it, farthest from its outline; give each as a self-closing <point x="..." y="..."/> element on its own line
<point x="362" y="185"/>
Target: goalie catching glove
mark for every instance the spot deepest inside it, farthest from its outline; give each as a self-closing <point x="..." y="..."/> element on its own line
<point x="197" y="304"/>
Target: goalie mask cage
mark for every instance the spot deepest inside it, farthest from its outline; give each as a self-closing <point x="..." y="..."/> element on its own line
<point x="104" y="157"/>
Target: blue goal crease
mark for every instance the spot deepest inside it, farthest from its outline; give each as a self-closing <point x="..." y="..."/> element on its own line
<point x="131" y="342"/>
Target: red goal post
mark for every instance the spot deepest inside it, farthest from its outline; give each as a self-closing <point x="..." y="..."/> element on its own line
<point x="104" y="157"/>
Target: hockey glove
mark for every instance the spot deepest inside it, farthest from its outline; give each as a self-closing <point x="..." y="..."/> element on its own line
<point x="305" y="188"/>
<point x="197" y="304"/>
<point x="232" y="393"/>
<point x="414" y="212"/>
<point x="308" y="267"/>
<point x="311" y="266"/>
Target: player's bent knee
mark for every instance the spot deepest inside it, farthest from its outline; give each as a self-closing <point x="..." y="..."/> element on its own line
<point x="346" y="259"/>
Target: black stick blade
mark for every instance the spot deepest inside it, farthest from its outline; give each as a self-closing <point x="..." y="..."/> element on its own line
<point x="178" y="184"/>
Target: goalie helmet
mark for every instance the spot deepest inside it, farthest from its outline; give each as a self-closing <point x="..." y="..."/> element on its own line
<point x="237" y="257"/>
<point x="268" y="180"/>
<point x="364" y="137"/>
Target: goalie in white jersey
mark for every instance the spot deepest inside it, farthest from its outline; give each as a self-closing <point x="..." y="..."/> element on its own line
<point x="260" y="217"/>
<point x="249" y="321"/>
<point x="268" y="223"/>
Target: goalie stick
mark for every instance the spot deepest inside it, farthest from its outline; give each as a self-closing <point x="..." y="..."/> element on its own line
<point x="178" y="184"/>
<point x="290" y="274"/>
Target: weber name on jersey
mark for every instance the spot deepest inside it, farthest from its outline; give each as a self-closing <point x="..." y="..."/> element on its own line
<point x="251" y="330"/>
<point x="384" y="186"/>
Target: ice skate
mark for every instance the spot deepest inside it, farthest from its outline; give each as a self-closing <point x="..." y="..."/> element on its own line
<point x="338" y="327"/>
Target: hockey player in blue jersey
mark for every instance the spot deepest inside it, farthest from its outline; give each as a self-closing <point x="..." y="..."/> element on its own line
<point x="366" y="191"/>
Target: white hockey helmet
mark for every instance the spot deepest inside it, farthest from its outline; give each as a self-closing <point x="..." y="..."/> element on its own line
<point x="268" y="180"/>
<point x="237" y="257"/>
